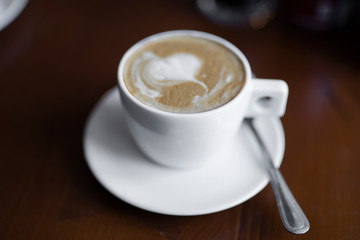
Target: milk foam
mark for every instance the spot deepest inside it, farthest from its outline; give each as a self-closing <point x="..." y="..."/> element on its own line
<point x="184" y="74"/>
<point x="218" y="87"/>
<point x="156" y="72"/>
<point x="153" y="73"/>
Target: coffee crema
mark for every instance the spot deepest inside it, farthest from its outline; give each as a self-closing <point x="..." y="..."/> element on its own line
<point x="184" y="74"/>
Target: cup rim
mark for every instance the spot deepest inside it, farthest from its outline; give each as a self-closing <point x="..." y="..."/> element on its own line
<point x="192" y="33"/>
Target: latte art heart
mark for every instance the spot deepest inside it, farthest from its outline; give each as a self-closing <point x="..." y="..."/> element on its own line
<point x="184" y="74"/>
<point x="153" y="72"/>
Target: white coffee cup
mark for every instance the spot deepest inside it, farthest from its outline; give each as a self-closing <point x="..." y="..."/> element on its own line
<point x="186" y="140"/>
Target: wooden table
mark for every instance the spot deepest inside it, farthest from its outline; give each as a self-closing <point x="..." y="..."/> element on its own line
<point x="59" y="57"/>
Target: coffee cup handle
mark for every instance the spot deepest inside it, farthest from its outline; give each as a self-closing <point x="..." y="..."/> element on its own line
<point x="268" y="97"/>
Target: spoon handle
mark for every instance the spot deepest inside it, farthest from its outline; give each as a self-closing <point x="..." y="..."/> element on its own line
<point x="291" y="214"/>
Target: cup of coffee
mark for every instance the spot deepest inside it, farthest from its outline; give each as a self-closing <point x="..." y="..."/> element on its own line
<point x="186" y="93"/>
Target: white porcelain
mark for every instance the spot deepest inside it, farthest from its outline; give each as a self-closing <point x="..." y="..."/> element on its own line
<point x="9" y="10"/>
<point x="124" y="171"/>
<point x="190" y="140"/>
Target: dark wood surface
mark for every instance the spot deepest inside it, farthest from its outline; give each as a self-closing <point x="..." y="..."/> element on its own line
<point x="59" y="57"/>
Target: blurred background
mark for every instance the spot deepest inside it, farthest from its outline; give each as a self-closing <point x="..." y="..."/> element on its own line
<point x="58" y="57"/>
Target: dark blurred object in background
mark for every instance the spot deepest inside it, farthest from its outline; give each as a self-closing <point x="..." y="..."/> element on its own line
<point x="253" y="14"/>
<point x="321" y="14"/>
<point x="334" y="21"/>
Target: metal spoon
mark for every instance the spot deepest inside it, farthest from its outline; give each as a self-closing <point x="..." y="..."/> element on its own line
<point x="293" y="218"/>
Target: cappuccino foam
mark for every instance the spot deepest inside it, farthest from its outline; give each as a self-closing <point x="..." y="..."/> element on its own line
<point x="184" y="74"/>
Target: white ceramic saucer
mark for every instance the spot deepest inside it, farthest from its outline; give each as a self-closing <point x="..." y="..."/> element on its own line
<point x="125" y="172"/>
